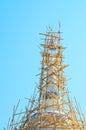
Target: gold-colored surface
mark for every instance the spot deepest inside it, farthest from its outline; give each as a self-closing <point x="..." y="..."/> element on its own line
<point x="52" y="108"/>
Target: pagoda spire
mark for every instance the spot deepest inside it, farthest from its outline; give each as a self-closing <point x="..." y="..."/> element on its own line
<point x="52" y="80"/>
<point x="52" y="108"/>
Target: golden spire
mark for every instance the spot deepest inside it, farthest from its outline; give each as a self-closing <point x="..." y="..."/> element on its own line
<point x="52" y="108"/>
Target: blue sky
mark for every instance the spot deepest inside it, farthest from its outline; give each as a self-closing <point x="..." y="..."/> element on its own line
<point x="20" y="24"/>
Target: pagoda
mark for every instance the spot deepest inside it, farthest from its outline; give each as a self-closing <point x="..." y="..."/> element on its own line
<point x="51" y="108"/>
